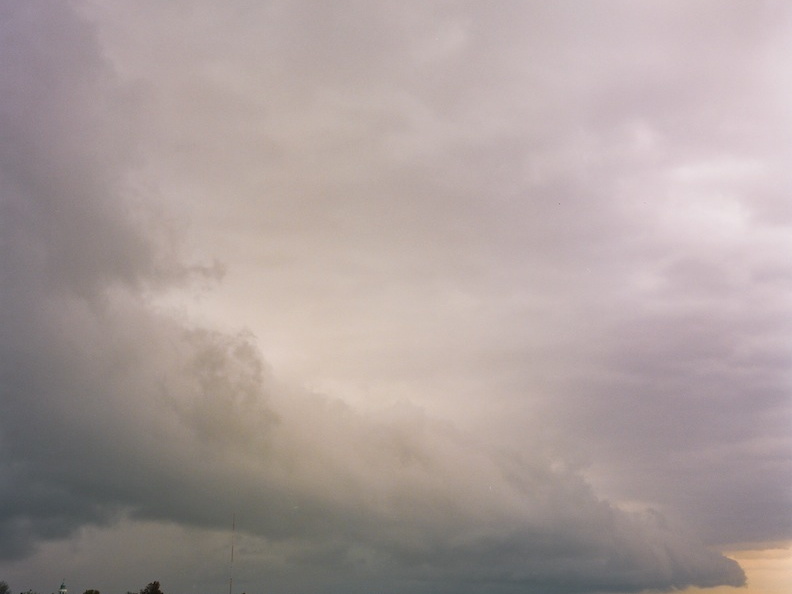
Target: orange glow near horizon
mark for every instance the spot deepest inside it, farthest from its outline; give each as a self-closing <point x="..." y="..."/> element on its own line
<point x="769" y="571"/>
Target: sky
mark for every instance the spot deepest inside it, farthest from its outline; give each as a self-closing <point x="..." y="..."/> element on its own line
<point x="401" y="297"/>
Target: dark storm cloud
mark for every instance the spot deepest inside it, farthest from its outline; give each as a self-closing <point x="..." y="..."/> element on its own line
<point x="532" y="215"/>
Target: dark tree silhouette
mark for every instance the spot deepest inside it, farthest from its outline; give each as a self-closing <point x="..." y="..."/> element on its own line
<point x="4" y="588"/>
<point x="152" y="588"/>
<point x="91" y="591"/>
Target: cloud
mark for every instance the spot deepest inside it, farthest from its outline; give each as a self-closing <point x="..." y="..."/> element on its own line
<point x="406" y="233"/>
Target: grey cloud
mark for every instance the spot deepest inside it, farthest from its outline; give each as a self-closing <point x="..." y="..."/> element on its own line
<point x="436" y="204"/>
<point x="163" y="424"/>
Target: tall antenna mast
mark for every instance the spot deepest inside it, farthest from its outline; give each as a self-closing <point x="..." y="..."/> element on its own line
<point x="231" y="567"/>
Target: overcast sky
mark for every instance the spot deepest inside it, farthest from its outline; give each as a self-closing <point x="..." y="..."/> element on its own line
<point x="431" y="297"/>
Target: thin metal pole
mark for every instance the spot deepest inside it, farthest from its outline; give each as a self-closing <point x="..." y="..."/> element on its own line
<point x="231" y="568"/>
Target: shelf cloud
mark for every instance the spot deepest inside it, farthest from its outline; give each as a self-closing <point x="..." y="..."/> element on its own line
<point x="433" y="297"/>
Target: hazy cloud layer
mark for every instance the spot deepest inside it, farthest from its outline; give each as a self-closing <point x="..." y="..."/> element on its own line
<point x="521" y="272"/>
